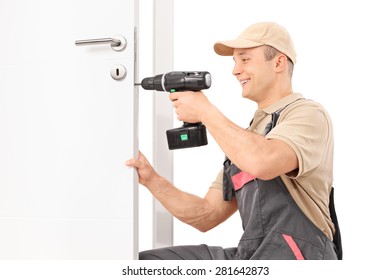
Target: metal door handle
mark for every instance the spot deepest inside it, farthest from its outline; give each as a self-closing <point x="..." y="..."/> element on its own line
<point x="118" y="43"/>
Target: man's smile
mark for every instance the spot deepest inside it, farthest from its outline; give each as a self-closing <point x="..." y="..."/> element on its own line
<point x="244" y="81"/>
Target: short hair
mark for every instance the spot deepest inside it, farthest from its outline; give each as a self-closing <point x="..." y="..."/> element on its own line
<point x="270" y="53"/>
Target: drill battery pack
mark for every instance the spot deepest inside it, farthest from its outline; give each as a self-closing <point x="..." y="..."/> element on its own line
<point x="187" y="136"/>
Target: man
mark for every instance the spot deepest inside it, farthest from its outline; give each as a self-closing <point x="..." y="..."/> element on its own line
<point x="278" y="173"/>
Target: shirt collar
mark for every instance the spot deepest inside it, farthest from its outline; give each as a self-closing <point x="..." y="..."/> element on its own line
<point x="282" y="103"/>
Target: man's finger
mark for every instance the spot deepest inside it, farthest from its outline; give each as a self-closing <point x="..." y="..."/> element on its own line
<point x="132" y="163"/>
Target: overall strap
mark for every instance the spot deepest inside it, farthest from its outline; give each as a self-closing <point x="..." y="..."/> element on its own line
<point x="337" y="235"/>
<point x="274" y="119"/>
<point x="228" y="189"/>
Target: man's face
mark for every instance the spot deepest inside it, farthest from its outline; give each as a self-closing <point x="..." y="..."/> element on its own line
<point x="254" y="73"/>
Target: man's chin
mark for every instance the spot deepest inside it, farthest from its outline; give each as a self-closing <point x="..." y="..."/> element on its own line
<point x="244" y="94"/>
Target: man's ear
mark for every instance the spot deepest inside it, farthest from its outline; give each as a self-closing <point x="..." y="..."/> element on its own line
<point x="280" y="62"/>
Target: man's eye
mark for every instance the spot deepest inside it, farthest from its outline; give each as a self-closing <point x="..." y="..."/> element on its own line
<point x="245" y="59"/>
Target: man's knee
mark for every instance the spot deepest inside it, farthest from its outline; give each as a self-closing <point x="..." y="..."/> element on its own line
<point x="200" y="252"/>
<point x="149" y="255"/>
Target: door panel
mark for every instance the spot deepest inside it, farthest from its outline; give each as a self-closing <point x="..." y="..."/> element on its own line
<point x="66" y="129"/>
<point x="55" y="238"/>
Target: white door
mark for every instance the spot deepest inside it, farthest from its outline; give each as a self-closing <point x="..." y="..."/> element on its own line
<point x="66" y="129"/>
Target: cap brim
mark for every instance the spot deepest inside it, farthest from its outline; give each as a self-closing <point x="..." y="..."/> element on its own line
<point x="226" y="48"/>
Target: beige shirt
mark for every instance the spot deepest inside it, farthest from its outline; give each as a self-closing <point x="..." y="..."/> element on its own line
<point x="306" y="127"/>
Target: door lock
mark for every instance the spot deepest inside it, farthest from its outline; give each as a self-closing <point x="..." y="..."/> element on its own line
<point x="118" y="72"/>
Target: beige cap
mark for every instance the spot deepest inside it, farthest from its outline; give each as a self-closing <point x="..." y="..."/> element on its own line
<point x="259" y="34"/>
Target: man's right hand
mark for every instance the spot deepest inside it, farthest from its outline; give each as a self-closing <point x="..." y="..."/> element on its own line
<point x="146" y="173"/>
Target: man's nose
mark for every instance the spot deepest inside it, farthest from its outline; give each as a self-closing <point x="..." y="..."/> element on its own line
<point x="236" y="70"/>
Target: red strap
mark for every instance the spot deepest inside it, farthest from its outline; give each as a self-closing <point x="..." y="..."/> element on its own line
<point x="240" y="179"/>
<point x="293" y="246"/>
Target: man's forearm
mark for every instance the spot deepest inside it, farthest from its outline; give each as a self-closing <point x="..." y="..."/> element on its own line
<point x="186" y="207"/>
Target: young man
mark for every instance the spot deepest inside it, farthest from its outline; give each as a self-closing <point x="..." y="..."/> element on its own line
<point x="278" y="173"/>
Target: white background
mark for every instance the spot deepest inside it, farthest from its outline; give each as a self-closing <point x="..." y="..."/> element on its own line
<point x="342" y="62"/>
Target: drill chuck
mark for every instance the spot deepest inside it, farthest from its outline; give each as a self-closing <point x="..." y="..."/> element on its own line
<point x="178" y="81"/>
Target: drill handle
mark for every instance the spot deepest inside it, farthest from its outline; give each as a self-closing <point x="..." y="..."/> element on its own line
<point x="191" y="124"/>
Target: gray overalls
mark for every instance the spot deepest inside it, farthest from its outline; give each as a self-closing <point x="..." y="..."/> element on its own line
<point x="274" y="226"/>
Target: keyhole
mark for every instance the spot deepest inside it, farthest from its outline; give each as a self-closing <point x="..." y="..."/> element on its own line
<point x="118" y="72"/>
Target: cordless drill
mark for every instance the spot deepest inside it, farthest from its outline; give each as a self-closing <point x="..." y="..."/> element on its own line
<point x="189" y="134"/>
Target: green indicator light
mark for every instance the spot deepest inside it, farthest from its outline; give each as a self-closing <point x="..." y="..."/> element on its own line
<point x="173" y="90"/>
<point x="184" y="137"/>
